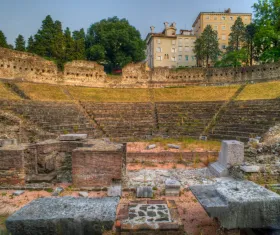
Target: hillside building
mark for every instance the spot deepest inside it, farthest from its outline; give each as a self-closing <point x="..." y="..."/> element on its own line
<point x="221" y="22"/>
<point x="169" y="49"/>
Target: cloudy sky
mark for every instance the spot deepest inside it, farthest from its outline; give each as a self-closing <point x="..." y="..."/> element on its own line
<point x="25" y="16"/>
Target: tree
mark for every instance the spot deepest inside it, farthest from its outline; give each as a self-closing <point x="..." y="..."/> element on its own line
<point x="198" y="51"/>
<point x="3" y="40"/>
<point x="79" y="44"/>
<point x="122" y="43"/>
<point x="30" y="44"/>
<point x="233" y="59"/>
<point x="20" y="43"/>
<point x="267" y="37"/>
<point x="96" y="53"/>
<point x="250" y="32"/>
<point x="69" y="45"/>
<point x="237" y="35"/>
<point x="207" y="46"/>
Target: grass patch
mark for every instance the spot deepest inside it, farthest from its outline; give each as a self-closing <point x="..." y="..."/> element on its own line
<point x="109" y="95"/>
<point x="188" y="143"/>
<point x="267" y="90"/>
<point x="5" y="93"/>
<point x="43" y="92"/>
<point x="195" y="93"/>
<point x="3" y="229"/>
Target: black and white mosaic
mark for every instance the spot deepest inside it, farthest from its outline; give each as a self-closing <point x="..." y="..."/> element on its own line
<point x="143" y="213"/>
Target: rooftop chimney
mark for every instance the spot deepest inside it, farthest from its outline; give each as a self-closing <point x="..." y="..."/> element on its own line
<point x="173" y="24"/>
<point x="152" y="29"/>
<point x="228" y="10"/>
<point x="166" y="24"/>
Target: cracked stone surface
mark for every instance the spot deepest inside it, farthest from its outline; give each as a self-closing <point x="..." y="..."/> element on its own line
<point x="143" y="213"/>
<point x="146" y="177"/>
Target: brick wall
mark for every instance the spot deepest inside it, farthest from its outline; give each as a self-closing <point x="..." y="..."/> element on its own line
<point x="96" y="168"/>
<point x="12" y="166"/>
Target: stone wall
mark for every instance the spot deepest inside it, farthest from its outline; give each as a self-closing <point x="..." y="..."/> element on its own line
<point x="169" y="157"/>
<point x="27" y="66"/>
<point x="84" y="73"/>
<point x="96" y="168"/>
<point x="12" y="166"/>
<point x="30" y="67"/>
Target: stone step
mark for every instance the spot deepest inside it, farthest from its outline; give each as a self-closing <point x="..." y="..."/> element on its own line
<point x="218" y="170"/>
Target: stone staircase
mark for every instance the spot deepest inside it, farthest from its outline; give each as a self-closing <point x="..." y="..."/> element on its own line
<point x="123" y="120"/>
<point x="246" y="119"/>
<point x="54" y="117"/>
<point x="185" y="119"/>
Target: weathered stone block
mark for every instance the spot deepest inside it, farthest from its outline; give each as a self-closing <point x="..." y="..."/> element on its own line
<point x="73" y="137"/>
<point x="5" y="142"/>
<point x="115" y="191"/>
<point x="173" y="146"/>
<point x="232" y="153"/>
<point x="239" y="204"/>
<point x="250" y="169"/>
<point x="151" y="146"/>
<point x="172" y="187"/>
<point x="144" y="192"/>
<point x="67" y="215"/>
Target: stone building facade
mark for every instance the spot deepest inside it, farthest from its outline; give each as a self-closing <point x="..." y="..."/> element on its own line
<point x="221" y="22"/>
<point x="169" y="49"/>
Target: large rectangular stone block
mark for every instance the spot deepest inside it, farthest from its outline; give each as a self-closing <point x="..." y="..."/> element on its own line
<point x="67" y="216"/>
<point x="232" y="153"/>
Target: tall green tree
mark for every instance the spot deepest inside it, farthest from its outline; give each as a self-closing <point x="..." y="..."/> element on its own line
<point x="79" y="38"/>
<point x="121" y="42"/>
<point x="267" y="37"/>
<point x="69" y="45"/>
<point x="250" y="33"/>
<point x="207" y="46"/>
<point x="237" y="35"/>
<point x="3" y="40"/>
<point x="20" y="43"/>
<point x="198" y="51"/>
<point x="30" y="44"/>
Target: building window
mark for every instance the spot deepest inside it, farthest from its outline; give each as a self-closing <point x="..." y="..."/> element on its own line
<point x="224" y="46"/>
<point x="215" y="18"/>
<point x="187" y="58"/>
<point x="180" y="49"/>
<point x="180" y="58"/>
<point x="158" y="41"/>
<point x="231" y="17"/>
<point x="224" y="37"/>
<point x="223" y="27"/>
<point x="187" y="49"/>
<point x="173" y="42"/>
<point x="180" y="41"/>
<point x="223" y="18"/>
<point x="166" y="57"/>
<point x="159" y="58"/>
<point x="173" y="50"/>
<point x="193" y="58"/>
<point x="207" y="17"/>
<point x="246" y="18"/>
<point x="173" y="58"/>
<point x="215" y="27"/>
<point x="186" y="41"/>
<point x="159" y="49"/>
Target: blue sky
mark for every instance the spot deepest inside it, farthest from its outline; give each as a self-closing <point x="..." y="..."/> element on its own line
<point x="25" y="16"/>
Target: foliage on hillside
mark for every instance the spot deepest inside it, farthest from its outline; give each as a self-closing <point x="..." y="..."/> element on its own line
<point x="267" y="90"/>
<point x="43" y="92"/>
<point x="5" y="93"/>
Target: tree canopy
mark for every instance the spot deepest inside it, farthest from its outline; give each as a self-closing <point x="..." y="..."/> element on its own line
<point x="3" y="40"/>
<point x="207" y="46"/>
<point x="20" y="43"/>
<point x="114" y="42"/>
